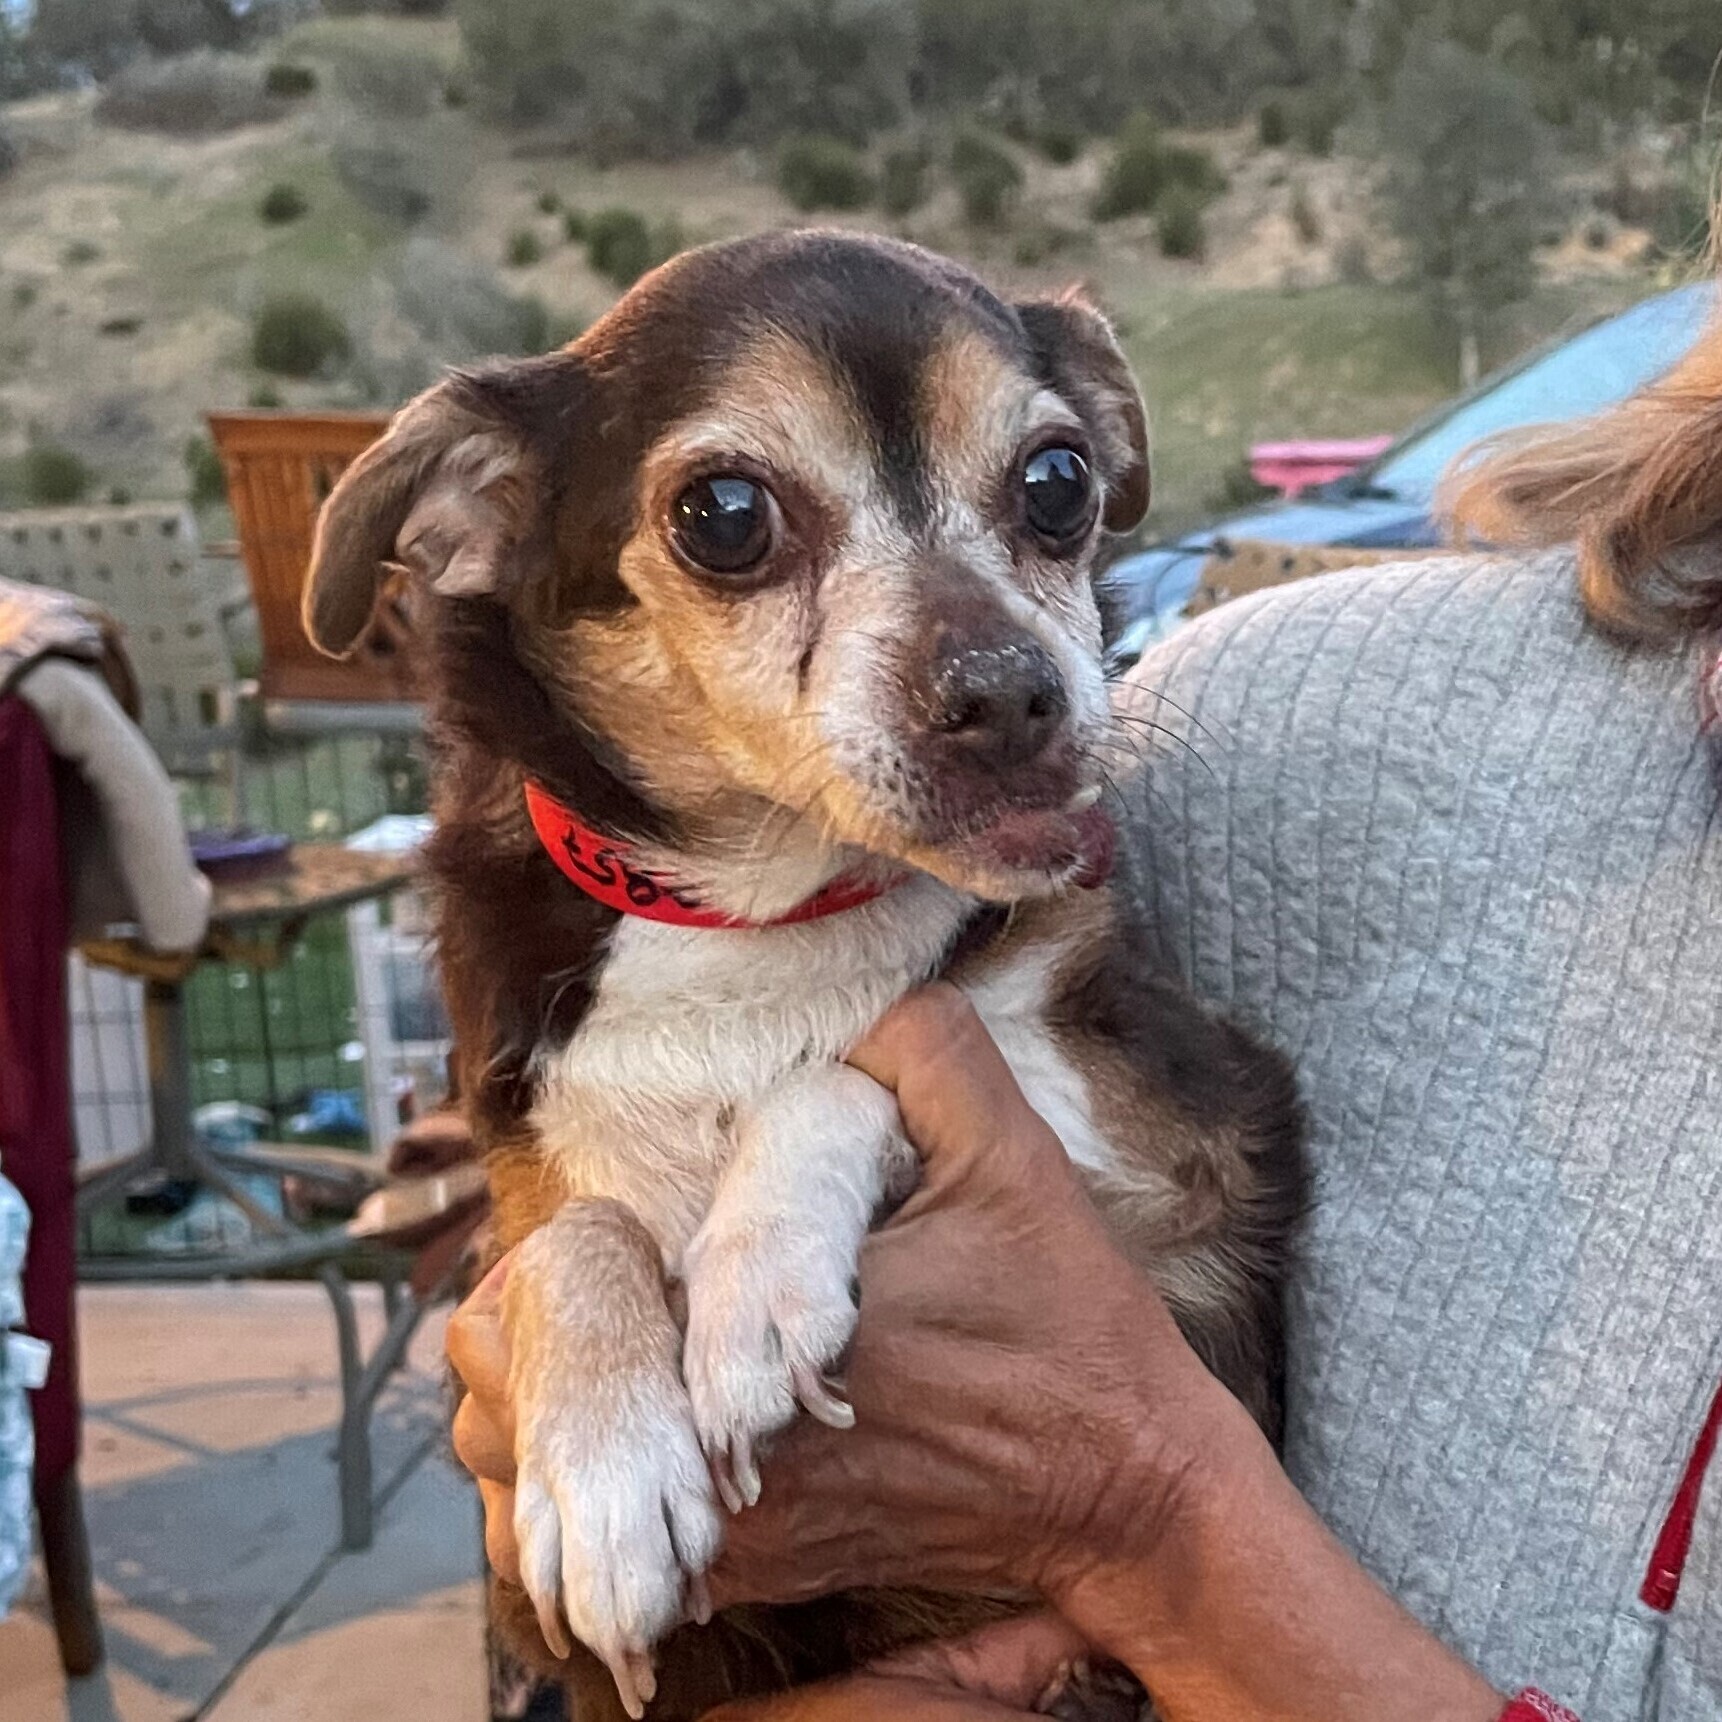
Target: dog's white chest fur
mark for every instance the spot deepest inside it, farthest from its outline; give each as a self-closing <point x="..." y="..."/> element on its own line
<point x="703" y="1125"/>
<point x="691" y="1027"/>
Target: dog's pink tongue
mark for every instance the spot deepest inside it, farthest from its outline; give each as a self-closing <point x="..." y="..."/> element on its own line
<point x="1053" y="843"/>
<point x="1099" y="848"/>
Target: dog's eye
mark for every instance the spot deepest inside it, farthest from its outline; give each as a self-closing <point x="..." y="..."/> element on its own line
<point x="1058" y="494"/>
<point x="724" y="523"/>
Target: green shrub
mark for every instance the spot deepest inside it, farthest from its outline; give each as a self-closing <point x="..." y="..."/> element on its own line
<point x="1237" y="488"/>
<point x="1195" y="170"/>
<point x="1303" y="215"/>
<point x="295" y="335"/>
<point x="1041" y="241"/>
<point x="1626" y="200"/>
<point x="387" y="181"/>
<point x="903" y="179"/>
<point x="566" y="329"/>
<point x="265" y="396"/>
<point x="548" y="203"/>
<point x="384" y="77"/>
<point x="625" y="78"/>
<point x="193" y="95"/>
<point x="531" y="325"/>
<point x="1179" y="226"/>
<point x="1136" y="176"/>
<point x="1145" y="168"/>
<point x="1597" y="233"/>
<point x="1351" y="260"/>
<point x="621" y="245"/>
<point x="53" y="476"/>
<point x="1061" y="145"/>
<point x="524" y="248"/>
<point x="1683" y="216"/>
<point x="824" y="173"/>
<point x="987" y="176"/>
<point x="80" y="251"/>
<point x="1315" y="117"/>
<point x="574" y="225"/>
<point x="208" y="483"/>
<point x="1272" y="127"/>
<point x="289" y="81"/>
<point x="282" y="203"/>
<point x="23" y="295"/>
<point x="461" y="308"/>
<point x="119" y="496"/>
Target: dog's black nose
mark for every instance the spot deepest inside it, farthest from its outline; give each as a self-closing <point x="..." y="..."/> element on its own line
<point x="1001" y="702"/>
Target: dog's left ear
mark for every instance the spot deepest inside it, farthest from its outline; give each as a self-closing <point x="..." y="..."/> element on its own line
<point x="456" y="491"/>
<point x="1080" y="357"/>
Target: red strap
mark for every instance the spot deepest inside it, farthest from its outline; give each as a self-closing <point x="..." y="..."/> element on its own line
<point x="1674" y="1542"/>
<point x="604" y="868"/>
<point x="1534" y="1706"/>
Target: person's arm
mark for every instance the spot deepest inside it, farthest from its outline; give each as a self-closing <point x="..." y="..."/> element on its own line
<point x="1027" y="1415"/>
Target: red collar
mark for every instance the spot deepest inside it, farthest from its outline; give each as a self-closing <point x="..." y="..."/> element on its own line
<point x="604" y="868"/>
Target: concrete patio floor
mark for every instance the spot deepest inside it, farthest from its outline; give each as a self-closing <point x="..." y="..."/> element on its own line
<point x="209" y="1481"/>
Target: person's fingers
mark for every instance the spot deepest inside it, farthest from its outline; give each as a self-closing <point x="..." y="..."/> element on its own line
<point x="1011" y="1662"/>
<point x="500" y="1548"/>
<point x="954" y="1089"/>
<point x="868" y="1698"/>
<point x="476" y="1341"/>
<point x="934" y="1025"/>
<point x="483" y="1442"/>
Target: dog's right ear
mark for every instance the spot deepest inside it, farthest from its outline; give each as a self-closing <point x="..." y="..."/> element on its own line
<point x="454" y="491"/>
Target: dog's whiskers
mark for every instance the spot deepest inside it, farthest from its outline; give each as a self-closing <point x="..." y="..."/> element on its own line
<point x="1165" y="699"/>
<point x="1148" y="727"/>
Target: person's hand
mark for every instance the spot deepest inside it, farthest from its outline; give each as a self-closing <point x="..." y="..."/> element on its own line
<point x="1002" y="1673"/>
<point x="477" y="1346"/>
<point x="1020" y="1390"/>
<point x="1021" y="1393"/>
<point x="1028" y="1416"/>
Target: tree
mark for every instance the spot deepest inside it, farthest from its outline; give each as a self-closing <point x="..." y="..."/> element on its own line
<point x="95" y="35"/>
<point x="15" y="66"/>
<point x="100" y="36"/>
<point x="1466" y="186"/>
<point x="660" y="77"/>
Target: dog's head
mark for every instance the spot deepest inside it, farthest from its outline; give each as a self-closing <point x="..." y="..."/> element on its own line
<point x="807" y="520"/>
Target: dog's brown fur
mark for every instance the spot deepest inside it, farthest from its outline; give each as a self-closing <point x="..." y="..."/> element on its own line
<point x="879" y="394"/>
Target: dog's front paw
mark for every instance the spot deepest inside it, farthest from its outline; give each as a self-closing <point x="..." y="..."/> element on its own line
<point x="615" y="1521"/>
<point x="768" y="1314"/>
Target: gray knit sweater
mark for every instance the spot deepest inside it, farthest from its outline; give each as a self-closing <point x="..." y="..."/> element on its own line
<point x="1459" y="856"/>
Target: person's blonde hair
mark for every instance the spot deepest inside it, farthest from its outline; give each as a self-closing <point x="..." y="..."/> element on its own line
<point x="1629" y="488"/>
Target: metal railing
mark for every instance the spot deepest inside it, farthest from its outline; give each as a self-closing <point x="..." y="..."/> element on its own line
<point x="315" y="1044"/>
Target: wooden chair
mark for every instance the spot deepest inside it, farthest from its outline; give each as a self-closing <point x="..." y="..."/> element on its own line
<point x="280" y="467"/>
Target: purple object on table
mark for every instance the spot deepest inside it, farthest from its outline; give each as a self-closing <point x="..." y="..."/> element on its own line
<point x="237" y="851"/>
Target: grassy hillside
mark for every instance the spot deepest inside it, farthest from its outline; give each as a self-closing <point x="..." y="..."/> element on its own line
<point x="133" y="262"/>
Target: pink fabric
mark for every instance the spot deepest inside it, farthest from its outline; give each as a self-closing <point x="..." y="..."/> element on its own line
<point x="1292" y="467"/>
<point x="36" y="1142"/>
<point x="1536" y="1706"/>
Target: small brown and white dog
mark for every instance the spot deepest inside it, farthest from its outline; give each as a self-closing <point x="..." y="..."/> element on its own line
<point x="766" y="679"/>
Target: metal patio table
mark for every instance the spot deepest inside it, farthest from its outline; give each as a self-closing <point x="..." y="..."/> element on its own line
<point x="256" y="921"/>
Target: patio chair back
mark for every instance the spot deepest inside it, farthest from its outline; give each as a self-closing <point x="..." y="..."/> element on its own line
<point x="280" y="467"/>
<point x="144" y="566"/>
<point x="1240" y="566"/>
